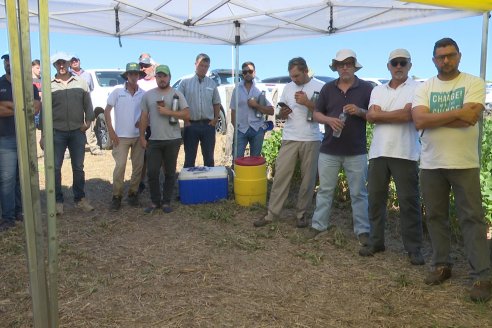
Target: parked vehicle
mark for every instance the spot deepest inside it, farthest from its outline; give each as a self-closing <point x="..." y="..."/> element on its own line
<point x="488" y="98"/>
<point x="105" y="80"/>
<point x="375" y="80"/>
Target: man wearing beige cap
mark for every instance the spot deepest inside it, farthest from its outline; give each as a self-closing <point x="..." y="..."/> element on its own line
<point x="165" y="139"/>
<point x="342" y="108"/>
<point x="124" y="133"/>
<point x="394" y="152"/>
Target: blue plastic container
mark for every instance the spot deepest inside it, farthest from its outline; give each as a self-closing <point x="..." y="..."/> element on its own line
<point x="202" y="184"/>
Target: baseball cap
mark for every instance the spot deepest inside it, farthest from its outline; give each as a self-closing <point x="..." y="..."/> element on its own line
<point x="132" y="67"/>
<point x="75" y="57"/>
<point x="145" y="61"/>
<point x="60" y="55"/>
<point x="5" y="55"/>
<point x="164" y="69"/>
<point x="399" y="53"/>
<point x="341" y="56"/>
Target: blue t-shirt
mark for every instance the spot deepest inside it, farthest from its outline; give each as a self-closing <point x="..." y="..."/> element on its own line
<point x="7" y="124"/>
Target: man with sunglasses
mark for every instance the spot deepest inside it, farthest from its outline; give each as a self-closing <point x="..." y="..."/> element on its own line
<point x="147" y="65"/>
<point x="251" y="128"/>
<point x="446" y="109"/>
<point x="394" y="152"/>
<point x="349" y="95"/>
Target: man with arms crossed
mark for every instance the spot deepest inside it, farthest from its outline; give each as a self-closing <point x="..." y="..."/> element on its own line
<point x="446" y="110"/>
<point x="394" y="152"/>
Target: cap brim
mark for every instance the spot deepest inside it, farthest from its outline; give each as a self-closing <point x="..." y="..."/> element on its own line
<point x="141" y="74"/>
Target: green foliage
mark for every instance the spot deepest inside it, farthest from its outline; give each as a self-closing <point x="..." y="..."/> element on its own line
<point x="271" y="146"/>
<point x="486" y="170"/>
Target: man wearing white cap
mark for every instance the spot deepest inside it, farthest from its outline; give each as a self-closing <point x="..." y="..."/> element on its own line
<point x="394" y="152"/>
<point x="72" y="116"/>
<point x="342" y="107"/>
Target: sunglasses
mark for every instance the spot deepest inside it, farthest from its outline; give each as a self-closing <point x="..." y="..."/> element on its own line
<point x="145" y="65"/>
<point x="395" y="63"/>
<point x="248" y="71"/>
<point x="349" y="64"/>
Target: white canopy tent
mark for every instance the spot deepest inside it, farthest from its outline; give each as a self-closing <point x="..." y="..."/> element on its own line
<point x="233" y="22"/>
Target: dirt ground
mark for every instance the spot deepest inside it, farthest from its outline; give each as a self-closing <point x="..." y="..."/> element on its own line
<point x="207" y="266"/>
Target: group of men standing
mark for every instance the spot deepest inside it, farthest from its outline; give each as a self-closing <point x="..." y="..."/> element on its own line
<point x="445" y="109"/>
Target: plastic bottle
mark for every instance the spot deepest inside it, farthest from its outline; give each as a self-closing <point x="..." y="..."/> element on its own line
<point x="262" y="102"/>
<point x="314" y="99"/>
<point x="175" y="106"/>
<point x="342" y="118"/>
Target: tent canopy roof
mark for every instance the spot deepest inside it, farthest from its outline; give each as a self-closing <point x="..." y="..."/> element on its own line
<point x="212" y="21"/>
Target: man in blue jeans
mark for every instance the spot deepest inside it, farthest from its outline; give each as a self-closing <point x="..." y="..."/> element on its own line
<point x="250" y="120"/>
<point x="203" y="99"/>
<point x="72" y="116"/>
<point x="10" y="193"/>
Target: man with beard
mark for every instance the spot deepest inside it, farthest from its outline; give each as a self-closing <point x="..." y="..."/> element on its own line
<point x="250" y="122"/>
<point x="124" y="134"/>
<point x="394" y="152"/>
<point x="446" y="110"/>
<point x="300" y="141"/>
<point x="165" y="140"/>
<point x="10" y="193"/>
<point x="203" y="97"/>
<point x="342" y="108"/>
<point x="72" y="116"/>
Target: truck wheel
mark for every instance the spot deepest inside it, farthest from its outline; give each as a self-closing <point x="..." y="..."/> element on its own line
<point x="221" y="126"/>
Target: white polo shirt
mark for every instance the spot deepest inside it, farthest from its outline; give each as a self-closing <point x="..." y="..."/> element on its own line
<point x="126" y="111"/>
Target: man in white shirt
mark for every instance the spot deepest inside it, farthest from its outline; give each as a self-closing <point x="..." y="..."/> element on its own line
<point x="124" y="134"/>
<point x="300" y="140"/>
<point x="394" y="152"/>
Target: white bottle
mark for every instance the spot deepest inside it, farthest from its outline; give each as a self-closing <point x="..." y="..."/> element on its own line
<point x="342" y="118"/>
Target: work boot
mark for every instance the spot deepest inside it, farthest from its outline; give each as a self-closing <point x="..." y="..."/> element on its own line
<point x="84" y="205"/>
<point x="133" y="200"/>
<point x="302" y="222"/>
<point x="363" y="238"/>
<point x="366" y="251"/>
<point x="438" y="276"/>
<point x="59" y="208"/>
<point x="262" y="222"/>
<point x="115" y="203"/>
<point x="481" y="291"/>
<point x="416" y="258"/>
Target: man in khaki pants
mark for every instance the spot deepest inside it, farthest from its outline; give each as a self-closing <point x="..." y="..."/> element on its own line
<point x="124" y="134"/>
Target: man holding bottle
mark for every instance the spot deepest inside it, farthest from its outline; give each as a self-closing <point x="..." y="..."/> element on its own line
<point x="344" y="143"/>
<point x="250" y="122"/>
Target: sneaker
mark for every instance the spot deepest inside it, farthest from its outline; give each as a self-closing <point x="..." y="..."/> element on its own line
<point x="19" y="217"/>
<point x="59" y="208"/>
<point x="262" y="222"/>
<point x="6" y="224"/>
<point x="302" y="222"/>
<point x="481" y="291"/>
<point x="366" y="251"/>
<point x="438" y="276"/>
<point x="115" y="203"/>
<point x="133" y="200"/>
<point x="416" y="258"/>
<point x="151" y="209"/>
<point x="84" y="205"/>
<point x="312" y="233"/>
<point x="97" y="152"/>
<point x="166" y="208"/>
<point x="363" y="238"/>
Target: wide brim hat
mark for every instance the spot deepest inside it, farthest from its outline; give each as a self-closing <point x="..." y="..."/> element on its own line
<point x="60" y="55"/>
<point x="133" y="67"/>
<point x="341" y="56"/>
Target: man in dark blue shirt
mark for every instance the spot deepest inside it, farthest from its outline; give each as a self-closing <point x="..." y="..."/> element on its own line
<point x="10" y="196"/>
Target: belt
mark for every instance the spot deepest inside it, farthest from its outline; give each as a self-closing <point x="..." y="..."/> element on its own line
<point x="206" y="121"/>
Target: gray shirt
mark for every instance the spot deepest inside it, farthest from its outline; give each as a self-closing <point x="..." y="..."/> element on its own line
<point x="87" y="77"/>
<point x="159" y="124"/>
<point x="201" y="96"/>
<point x="71" y="104"/>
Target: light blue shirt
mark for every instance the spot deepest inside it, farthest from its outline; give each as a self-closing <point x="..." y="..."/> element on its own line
<point x="200" y="96"/>
<point x="245" y="115"/>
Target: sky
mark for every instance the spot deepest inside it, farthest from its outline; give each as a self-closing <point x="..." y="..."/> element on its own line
<point x="271" y="60"/>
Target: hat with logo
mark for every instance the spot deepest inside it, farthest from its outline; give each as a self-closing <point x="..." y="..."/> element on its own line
<point x="60" y="56"/>
<point x="5" y="55"/>
<point x="399" y="53"/>
<point x="133" y="67"/>
<point x="341" y="56"/>
<point x="164" y="69"/>
<point x="145" y="61"/>
<point x="75" y="58"/>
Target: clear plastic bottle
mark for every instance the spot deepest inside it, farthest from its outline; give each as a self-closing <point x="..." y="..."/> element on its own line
<point x="314" y="99"/>
<point x="261" y="102"/>
<point x="175" y="106"/>
<point x="342" y="118"/>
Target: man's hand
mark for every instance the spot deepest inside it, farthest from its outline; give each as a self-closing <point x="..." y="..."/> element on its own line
<point x="335" y="123"/>
<point x="114" y="138"/>
<point x="213" y="122"/>
<point x="284" y="112"/>
<point x="470" y="114"/>
<point x="143" y="142"/>
<point x="301" y="98"/>
<point x="85" y="126"/>
<point x="352" y="109"/>
<point x="252" y="103"/>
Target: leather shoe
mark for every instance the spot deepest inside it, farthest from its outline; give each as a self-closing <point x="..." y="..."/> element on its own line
<point x="302" y="222"/>
<point x="371" y="250"/>
<point x="416" y="258"/>
<point x="438" y="276"/>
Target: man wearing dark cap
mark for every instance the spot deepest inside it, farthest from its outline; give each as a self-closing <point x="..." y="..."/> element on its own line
<point x="10" y="193"/>
<point x="124" y="134"/>
<point x="203" y="97"/>
<point x="72" y="116"/>
<point x="394" y="152"/>
<point x="342" y="108"/>
<point x="165" y="140"/>
<point x="147" y="65"/>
